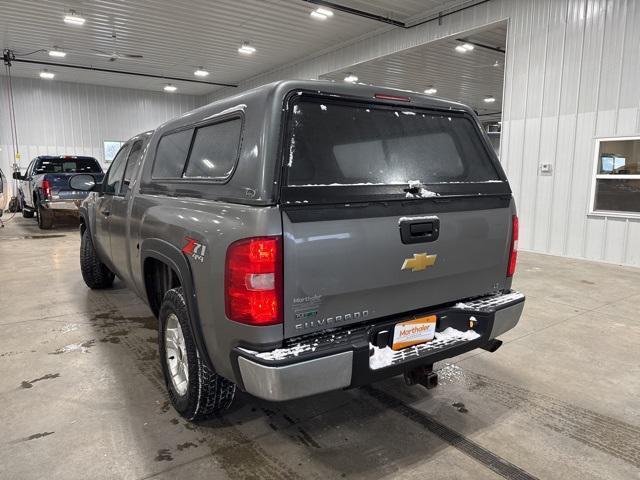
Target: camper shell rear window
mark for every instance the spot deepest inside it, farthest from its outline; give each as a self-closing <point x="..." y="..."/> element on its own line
<point x="384" y="149"/>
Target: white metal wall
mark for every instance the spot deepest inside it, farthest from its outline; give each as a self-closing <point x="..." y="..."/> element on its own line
<point x="572" y="74"/>
<point x="56" y="118"/>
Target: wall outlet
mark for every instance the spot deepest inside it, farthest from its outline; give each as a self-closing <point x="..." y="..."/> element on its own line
<point x="546" y="169"/>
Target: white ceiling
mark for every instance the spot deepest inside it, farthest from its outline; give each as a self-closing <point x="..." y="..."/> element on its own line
<point x="177" y="36"/>
<point x="465" y="77"/>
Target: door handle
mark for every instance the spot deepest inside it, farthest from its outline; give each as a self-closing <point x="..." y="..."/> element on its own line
<point x="419" y="229"/>
<point x="423" y="229"/>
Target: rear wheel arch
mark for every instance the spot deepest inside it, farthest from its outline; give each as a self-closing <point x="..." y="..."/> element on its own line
<point x="165" y="267"/>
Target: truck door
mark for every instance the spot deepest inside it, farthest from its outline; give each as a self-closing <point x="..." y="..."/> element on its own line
<point x="119" y="226"/>
<point x="110" y="186"/>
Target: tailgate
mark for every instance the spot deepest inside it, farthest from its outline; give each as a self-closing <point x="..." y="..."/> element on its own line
<point x="343" y="271"/>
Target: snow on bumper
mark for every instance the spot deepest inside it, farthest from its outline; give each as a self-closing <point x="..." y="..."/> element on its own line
<point x="384" y="357"/>
<point x="347" y="357"/>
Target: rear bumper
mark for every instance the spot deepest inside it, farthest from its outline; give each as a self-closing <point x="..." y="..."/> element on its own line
<point x="345" y="358"/>
<point x="62" y="206"/>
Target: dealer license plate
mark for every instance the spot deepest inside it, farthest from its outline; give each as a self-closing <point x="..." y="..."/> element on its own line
<point x="414" y="332"/>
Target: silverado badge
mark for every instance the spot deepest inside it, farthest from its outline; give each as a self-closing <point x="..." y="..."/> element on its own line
<point x="419" y="262"/>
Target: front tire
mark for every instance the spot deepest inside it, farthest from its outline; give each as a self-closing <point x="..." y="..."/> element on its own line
<point x="196" y="391"/>
<point x="95" y="273"/>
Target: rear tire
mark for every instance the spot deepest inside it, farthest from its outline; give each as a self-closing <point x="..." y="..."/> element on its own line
<point x="201" y="392"/>
<point x="95" y="273"/>
<point x="45" y="218"/>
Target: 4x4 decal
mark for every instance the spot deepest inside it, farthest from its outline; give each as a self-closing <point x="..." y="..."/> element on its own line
<point x="194" y="249"/>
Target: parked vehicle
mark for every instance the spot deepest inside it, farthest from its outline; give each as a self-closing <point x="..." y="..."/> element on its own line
<point x="308" y="236"/>
<point x="45" y="190"/>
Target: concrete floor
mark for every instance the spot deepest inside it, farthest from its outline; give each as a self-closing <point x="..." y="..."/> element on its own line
<point x="82" y="395"/>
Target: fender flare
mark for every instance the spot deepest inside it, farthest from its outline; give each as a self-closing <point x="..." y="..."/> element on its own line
<point x="174" y="258"/>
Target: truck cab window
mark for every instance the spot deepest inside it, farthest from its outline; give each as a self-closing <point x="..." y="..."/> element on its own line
<point x="134" y="157"/>
<point x="116" y="171"/>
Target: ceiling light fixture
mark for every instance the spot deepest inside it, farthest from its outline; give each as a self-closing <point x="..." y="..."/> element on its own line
<point x="47" y="75"/>
<point x="170" y="88"/>
<point x="72" y="18"/>
<point x="201" y="72"/>
<point x="57" y="53"/>
<point x="464" y="47"/>
<point x="321" y="13"/>
<point x="489" y="99"/>
<point x="351" y="77"/>
<point x="431" y="90"/>
<point x="247" y="49"/>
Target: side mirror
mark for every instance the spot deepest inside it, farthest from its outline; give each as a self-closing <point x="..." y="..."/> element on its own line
<point x="82" y="181"/>
<point x="17" y="176"/>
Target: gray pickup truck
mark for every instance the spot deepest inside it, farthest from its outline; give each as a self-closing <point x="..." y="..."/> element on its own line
<point x="308" y="236"/>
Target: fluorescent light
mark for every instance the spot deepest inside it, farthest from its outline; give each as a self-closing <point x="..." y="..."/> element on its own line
<point x="489" y="99"/>
<point x="431" y="90"/>
<point x="247" y="49"/>
<point x="351" y="78"/>
<point x="46" y="74"/>
<point x="200" y="72"/>
<point x="57" y="53"/>
<point x="72" y="18"/>
<point x="465" y="47"/>
<point x="321" y="13"/>
<point x="170" y="88"/>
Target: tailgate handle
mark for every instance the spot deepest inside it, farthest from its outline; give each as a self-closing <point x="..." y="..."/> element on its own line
<point x="419" y="230"/>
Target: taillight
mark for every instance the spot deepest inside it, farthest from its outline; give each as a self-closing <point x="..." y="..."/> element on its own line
<point x="253" y="281"/>
<point x="513" y="253"/>
<point x="46" y="189"/>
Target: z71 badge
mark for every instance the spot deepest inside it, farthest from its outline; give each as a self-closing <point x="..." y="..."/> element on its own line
<point x="194" y="249"/>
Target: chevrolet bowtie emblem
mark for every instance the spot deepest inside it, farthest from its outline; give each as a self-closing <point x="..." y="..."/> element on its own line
<point x="419" y="262"/>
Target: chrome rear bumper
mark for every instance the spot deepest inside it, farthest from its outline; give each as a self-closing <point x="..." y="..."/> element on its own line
<point x="341" y="359"/>
<point x="69" y="206"/>
<point x="302" y="379"/>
